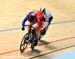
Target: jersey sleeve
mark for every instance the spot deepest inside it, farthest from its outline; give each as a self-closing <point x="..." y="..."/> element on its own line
<point x="26" y="18"/>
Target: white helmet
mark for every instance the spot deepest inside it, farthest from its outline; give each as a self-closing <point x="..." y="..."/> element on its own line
<point x="42" y="10"/>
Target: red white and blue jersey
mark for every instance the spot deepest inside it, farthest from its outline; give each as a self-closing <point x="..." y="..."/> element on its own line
<point x="38" y="18"/>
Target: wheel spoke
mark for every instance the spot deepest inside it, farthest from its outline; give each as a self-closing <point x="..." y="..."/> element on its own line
<point x="23" y="45"/>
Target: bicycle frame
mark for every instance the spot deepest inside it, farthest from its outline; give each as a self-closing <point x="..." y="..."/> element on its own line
<point x="31" y="31"/>
<point x="30" y="39"/>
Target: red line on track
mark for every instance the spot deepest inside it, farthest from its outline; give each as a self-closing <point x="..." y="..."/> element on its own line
<point x="38" y="45"/>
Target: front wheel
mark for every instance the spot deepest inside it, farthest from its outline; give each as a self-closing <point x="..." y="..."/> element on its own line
<point x="24" y="43"/>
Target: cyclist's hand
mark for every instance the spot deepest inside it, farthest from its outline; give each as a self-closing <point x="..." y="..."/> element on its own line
<point x="23" y="29"/>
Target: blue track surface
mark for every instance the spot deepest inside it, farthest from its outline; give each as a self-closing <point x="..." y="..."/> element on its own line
<point x="65" y="55"/>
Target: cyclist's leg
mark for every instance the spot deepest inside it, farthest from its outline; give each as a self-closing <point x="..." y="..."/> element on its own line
<point x="29" y="27"/>
<point x="37" y="37"/>
<point x="38" y="34"/>
<point x="44" y="28"/>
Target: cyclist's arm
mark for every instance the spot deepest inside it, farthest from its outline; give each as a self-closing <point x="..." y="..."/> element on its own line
<point x="26" y="18"/>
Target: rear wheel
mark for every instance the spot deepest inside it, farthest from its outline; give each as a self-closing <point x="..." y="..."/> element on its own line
<point x="32" y="46"/>
<point x="34" y="43"/>
<point x="23" y="44"/>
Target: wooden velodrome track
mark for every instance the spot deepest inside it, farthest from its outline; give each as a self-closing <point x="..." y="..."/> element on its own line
<point x="60" y="36"/>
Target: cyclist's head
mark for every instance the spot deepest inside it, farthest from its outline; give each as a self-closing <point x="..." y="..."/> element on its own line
<point x="43" y="10"/>
<point x="31" y="17"/>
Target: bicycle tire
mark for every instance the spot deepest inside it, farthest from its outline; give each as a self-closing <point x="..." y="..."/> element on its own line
<point x="32" y="46"/>
<point x="34" y="43"/>
<point x="23" y="44"/>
